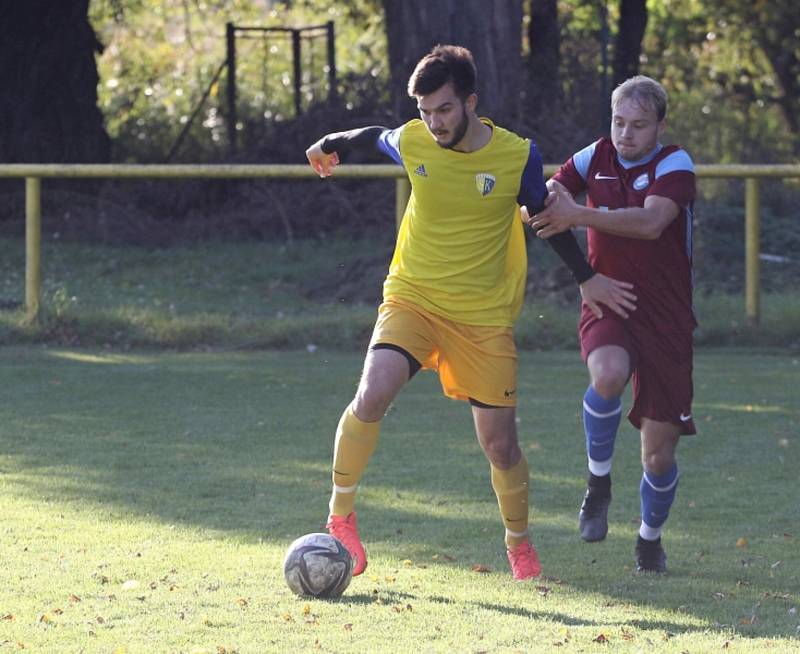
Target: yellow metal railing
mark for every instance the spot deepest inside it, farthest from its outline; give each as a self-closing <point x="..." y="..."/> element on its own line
<point x="33" y="174"/>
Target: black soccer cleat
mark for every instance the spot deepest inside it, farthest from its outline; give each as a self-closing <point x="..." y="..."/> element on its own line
<point x="593" y="516"/>
<point x="650" y="556"/>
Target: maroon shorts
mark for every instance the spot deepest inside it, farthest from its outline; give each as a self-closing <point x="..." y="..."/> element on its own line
<point x="661" y="366"/>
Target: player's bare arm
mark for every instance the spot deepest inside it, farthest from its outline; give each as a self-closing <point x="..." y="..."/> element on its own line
<point x="647" y="222"/>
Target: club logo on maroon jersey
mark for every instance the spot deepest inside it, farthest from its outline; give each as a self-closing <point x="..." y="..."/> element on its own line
<point x="641" y="182"/>
<point x="485" y="183"/>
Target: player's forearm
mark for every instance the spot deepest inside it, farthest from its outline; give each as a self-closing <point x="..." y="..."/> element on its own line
<point x="571" y="254"/>
<point x="631" y="222"/>
<point x="362" y="138"/>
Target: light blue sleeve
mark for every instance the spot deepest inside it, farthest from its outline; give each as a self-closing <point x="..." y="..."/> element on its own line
<point x="583" y="158"/>
<point x="678" y="160"/>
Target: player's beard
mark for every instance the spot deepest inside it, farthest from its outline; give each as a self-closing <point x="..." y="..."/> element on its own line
<point x="458" y="133"/>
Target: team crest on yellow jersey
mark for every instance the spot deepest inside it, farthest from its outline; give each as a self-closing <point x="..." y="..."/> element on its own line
<point x="485" y="183"/>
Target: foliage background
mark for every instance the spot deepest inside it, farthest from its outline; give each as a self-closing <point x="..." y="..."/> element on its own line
<point x="161" y="55"/>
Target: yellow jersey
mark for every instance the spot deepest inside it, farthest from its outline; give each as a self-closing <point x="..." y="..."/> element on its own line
<point x="460" y="251"/>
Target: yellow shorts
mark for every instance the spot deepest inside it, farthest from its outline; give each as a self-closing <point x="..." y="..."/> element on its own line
<point x="477" y="363"/>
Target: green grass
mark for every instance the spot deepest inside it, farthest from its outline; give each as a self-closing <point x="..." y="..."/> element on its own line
<point x="267" y="295"/>
<point x="146" y="501"/>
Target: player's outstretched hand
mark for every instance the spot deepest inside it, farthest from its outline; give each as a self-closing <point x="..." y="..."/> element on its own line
<point x="322" y="163"/>
<point x="616" y="295"/>
<point x="561" y="213"/>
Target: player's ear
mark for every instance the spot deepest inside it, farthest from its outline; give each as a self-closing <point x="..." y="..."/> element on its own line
<point x="471" y="102"/>
<point x="662" y="127"/>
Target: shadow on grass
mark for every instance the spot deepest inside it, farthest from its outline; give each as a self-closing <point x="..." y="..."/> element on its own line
<point x="241" y="444"/>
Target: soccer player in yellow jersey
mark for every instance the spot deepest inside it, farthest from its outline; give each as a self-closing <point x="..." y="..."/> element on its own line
<point x="455" y="286"/>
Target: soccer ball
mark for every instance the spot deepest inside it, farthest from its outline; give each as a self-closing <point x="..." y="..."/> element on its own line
<point x="317" y="565"/>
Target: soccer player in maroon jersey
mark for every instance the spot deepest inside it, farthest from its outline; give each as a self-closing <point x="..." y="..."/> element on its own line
<point x="638" y="215"/>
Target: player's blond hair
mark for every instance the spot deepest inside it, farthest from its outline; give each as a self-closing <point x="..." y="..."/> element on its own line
<point x="644" y="90"/>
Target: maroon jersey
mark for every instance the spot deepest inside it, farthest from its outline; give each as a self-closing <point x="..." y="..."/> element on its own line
<point x="660" y="269"/>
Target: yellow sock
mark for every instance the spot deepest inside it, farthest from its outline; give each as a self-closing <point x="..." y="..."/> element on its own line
<point x="511" y="488"/>
<point x="355" y="443"/>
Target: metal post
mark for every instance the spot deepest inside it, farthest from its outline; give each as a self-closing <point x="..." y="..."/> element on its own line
<point x="230" y="42"/>
<point x="402" y="193"/>
<point x="33" y="247"/>
<point x="298" y="72"/>
<point x="332" y="90"/>
<point x="752" y="248"/>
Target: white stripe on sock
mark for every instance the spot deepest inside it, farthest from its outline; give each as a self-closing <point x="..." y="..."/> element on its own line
<point x="660" y="489"/>
<point x="345" y="489"/>
<point x="597" y="414"/>
<point x="516" y="534"/>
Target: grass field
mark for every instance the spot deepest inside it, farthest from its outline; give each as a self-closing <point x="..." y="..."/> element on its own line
<point x="147" y="498"/>
<point x="258" y="295"/>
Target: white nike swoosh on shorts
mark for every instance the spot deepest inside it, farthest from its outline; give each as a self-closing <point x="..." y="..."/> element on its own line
<point x="686" y="418"/>
<point x="599" y="176"/>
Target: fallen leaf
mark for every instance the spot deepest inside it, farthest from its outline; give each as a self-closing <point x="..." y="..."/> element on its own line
<point x="45" y="618"/>
<point x="348" y="627"/>
<point x="601" y="638"/>
<point x="74" y="599"/>
<point x="241" y="601"/>
<point x="8" y="617"/>
<point x="741" y="542"/>
<point x="479" y="567"/>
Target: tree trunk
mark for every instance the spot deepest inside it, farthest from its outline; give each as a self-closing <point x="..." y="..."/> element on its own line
<point x="544" y="89"/>
<point x="776" y="34"/>
<point x="491" y="29"/>
<point x="48" y="77"/>
<point x="628" y="44"/>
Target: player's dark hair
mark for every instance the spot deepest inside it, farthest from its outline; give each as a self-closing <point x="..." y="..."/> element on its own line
<point x="443" y="64"/>
<point x="644" y="90"/>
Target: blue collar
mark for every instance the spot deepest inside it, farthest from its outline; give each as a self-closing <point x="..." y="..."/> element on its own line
<point x="639" y="162"/>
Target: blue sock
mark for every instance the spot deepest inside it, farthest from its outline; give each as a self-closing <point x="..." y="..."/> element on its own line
<point x="600" y="423"/>
<point x="658" y="493"/>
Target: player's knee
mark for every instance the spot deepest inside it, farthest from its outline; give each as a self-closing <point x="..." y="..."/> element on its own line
<point x="610" y="383"/>
<point x="658" y="462"/>
<point x="370" y="404"/>
<point x="503" y="452"/>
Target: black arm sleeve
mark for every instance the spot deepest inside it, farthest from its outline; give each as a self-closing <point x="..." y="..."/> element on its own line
<point x="532" y="195"/>
<point x="571" y="254"/>
<point x="363" y="138"/>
